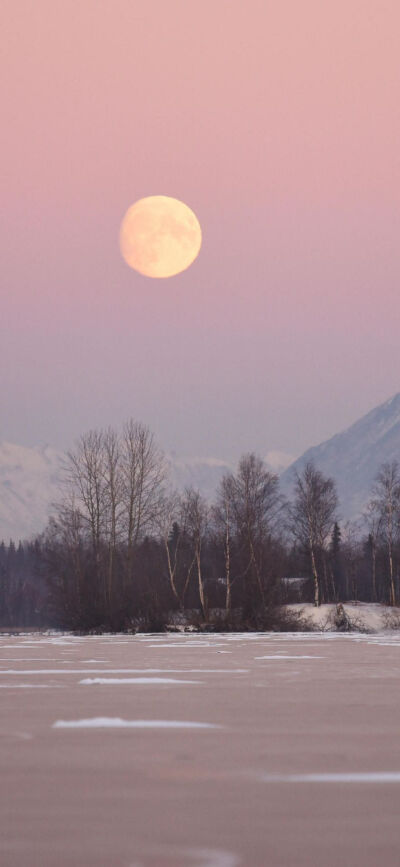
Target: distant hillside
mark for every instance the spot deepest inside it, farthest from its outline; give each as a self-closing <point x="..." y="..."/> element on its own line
<point x="354" y="456"/>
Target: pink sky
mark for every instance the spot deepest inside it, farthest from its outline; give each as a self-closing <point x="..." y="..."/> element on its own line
<point x="278" y="123"/>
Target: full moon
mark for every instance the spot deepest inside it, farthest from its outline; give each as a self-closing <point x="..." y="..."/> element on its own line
<point x="159" y="236"/>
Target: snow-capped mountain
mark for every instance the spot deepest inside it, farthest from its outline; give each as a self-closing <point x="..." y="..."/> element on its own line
<point x="203" y="474"/>
<point x="30" y="483"/>
<point x="354" y="456"/>
<point x="29" y="479"/>
<point x="277" y="462"/>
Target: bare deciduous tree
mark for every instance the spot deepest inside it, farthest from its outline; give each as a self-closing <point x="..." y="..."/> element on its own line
<point x="351" y="552"/>
<point x="254" y="504"/>
<point x="223" y="521"/>
<point x="196" y="510"/>
<point x="143" y="474"/>
<point x="312" y="516"/>
<point x="171" y="523"/>
<point x="115" y="486"/>
<point x="87" y="491"/>
<point x="386" y="502"/>
<point x="373" y="522"/>
<point x="113" y="490"/>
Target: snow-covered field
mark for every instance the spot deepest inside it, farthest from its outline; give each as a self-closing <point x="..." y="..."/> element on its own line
<point x="365" y="616"/>
<point x="233" y="750"/>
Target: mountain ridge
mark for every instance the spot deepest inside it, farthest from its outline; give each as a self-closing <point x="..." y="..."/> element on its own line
<point x="354" y="455"/>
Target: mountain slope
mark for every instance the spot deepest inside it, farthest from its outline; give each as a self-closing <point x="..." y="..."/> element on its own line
<point x="28" y="485"/>
<point x="353" y="457"/>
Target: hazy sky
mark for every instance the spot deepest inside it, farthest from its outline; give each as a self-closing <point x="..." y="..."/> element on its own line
<point x="278" y="123"/>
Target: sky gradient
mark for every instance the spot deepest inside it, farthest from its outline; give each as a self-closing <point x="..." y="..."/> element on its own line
<point x="278" y="124"/>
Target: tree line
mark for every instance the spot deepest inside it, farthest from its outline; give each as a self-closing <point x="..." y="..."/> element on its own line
<point x="123" y="549"/>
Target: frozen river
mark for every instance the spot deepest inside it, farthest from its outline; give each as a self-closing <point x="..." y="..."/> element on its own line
<point x="264" y="750"/>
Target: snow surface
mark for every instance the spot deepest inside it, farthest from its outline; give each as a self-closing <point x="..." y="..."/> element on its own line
<point x="124" y="671"/>
<point x="352" y="684"/>
<point x="286" y="656"/>
<point x="373" y="777"/>
<point x="198" y="857"/>
<point x="139" y="680"/>
<point x="189" y="644"/>
<point x="30" y="686"/>
<point x="105" y="722"/>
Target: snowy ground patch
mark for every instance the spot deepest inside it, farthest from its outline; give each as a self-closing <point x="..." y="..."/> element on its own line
<point x="30" y="686"/>
<point x="144" y="671"/>
<point x="105" y="722"/>
<point x="197" y="857"/>
<point x="286" y="656"/>
<point x="113" y="681"/>
<point x="368" y="777"/>
<point x="365" y="616"/>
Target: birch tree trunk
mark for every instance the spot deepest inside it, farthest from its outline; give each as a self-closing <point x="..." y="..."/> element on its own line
<point x="315" y="576"/>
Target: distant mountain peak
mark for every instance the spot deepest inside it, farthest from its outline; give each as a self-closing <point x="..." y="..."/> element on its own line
<point x="278" y="461"/>
<point x="353" y="456"/>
